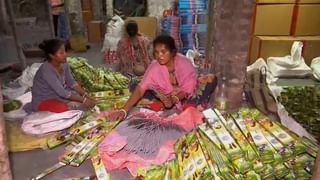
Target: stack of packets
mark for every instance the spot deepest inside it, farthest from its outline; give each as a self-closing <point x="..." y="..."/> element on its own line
<point x="242" y="145"/>
<point x="82" y="140"/>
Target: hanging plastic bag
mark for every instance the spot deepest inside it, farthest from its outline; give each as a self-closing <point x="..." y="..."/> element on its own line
<point x="193" y="55"/>
<point x="292" y="65"/>
<point x="111" y="39"/>
<point x="315" y="66"/>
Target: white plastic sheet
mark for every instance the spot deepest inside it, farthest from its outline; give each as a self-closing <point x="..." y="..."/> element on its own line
<point x="292" y="65"/>
<point x="21" y="84"/>
<point x="39" y="123"/>
<point x="315" y="66"/>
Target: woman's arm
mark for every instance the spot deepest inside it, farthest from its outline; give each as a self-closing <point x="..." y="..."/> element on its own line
<point x="79" y="89"/>
<point x="134" y="98"/>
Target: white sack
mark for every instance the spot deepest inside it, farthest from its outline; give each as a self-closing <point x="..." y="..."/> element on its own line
<point x="44" y="122"/>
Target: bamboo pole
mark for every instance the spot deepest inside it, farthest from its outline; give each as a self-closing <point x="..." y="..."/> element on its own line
<point x="15" y="35"/>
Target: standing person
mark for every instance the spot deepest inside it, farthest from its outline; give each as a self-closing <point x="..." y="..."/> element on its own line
<point x="53" y="85"/>
<point x="133" y="51"/>
<point x="59" y="19"/>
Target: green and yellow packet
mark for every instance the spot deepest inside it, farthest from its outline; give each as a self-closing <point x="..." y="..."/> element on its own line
<point x="275" y="129"/>
<point x="68" y="135"/>
<point x="249" y="152"/>
<point x="302" y="174"/>
<point x="98" y="166"/>
<point x="251" y="175"/>
<point x="303" y="161"/>
<point x="281" y="170"/>
<point x="48" y="171"/>
<point x="261" y="143"/>
<point x="223" y="168"/>
<point x="202" y="168"/>
<point x="282" y="151"/>
<point x="151" y="172"/>
<point x="311" y="147"/>
<point x="85" y="152"/>
<point x="172" y="170"/>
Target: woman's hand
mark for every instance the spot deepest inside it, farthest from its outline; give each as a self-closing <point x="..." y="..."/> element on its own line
<point x="117" y="115"/>
<point x="89" y="102"/>
<point x="165" y="99"/>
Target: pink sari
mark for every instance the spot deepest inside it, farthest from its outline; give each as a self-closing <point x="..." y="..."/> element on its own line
<point x="112" y="148"/>
<point x="157" y="76"/>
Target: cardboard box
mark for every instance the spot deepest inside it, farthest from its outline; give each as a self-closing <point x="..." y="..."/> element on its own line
<point x="87" y="16"/>
<point x="96" y="31"/>
<point x="147" y="25"/>
<point x="308" y="20"/>
<point x="273" y="19"/>
<point x="86" y="5"/>
<point x="308" y="1"/>
<point x="275" y="1"/>
<point x="279" y="46"/>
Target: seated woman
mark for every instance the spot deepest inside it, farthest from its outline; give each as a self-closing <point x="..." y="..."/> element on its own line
<point x="148" y="137"/>
<point x="53" y="85"/>
<point x="133" y="51"/>
<point x="171" y="78"/>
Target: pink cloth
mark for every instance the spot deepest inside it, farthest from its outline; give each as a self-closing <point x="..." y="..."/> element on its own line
<point x="113" y="143"/>
<point x="157" y="76"/>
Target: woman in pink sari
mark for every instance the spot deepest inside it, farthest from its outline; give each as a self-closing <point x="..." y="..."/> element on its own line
<point x="171" y="76"/>
<point x="145" y="137"/>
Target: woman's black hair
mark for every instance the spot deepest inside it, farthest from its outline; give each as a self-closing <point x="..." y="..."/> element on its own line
<point x="51" y="46"/>
<point x="168" y="41"/>
<point x="132" y="28"/>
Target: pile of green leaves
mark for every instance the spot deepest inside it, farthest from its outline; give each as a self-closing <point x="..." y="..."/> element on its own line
<point x="303" y="104"/>
<point x="96" y="79"/>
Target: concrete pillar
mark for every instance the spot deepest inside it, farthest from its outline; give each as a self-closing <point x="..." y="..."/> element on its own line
<point x="109" y="9"/>
<point x="5" y="172"/>
<point x="229" y="36"/>
<point x="97" y="10"/>
<point x="73" y="8"/>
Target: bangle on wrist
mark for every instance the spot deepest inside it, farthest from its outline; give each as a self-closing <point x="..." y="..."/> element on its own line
<point x="84" y="100"/>
<point x="125" y="113"/>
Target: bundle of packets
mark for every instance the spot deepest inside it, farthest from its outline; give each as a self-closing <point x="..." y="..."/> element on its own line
<point x="190" y="163"/>
<point x="243" y="145"/>
<point x="292" y="155"/>
<point x="82" y="140"/>
<point x="77" y="131"/>
<point x="191" y="159"/>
